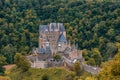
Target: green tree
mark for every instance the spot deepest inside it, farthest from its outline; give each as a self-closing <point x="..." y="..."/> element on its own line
<point x="9" y="52"/>
<point x="57" y="57"/>
<point x="91" y="61"/>
<point x="45" y="77"/>
<point x="2" y="63"/>
<point x="78" y="68"/>
<point x="97" y="56"/>
<point x="111" y="49"/>
<point x="70" y="76"/>
<point x="21" y="62"/>
<point x="111" y="34"/>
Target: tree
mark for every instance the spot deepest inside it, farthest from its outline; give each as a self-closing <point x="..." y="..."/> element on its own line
<point x="21" y="62"/>
<point x="97" y="56"/>
<point x="111" y="69"/>
<point x="45" y="77"/>
<point x="91" y="61"/>
<point x="57" y="57"/>
<point x="70" y="76"/>
<point x="90" y="78"/>
<point x="111" y="34"/>
<point x="115" y="69"/>
<point x="9" y="52"/>
<point x="111" y="50"/>
<point x="78" y="68"/>
<point x="2" y="63"/>
<point x="85" y="54"/>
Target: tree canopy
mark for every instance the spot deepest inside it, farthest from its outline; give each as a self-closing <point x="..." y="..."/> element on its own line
<point x="21" y="62"/>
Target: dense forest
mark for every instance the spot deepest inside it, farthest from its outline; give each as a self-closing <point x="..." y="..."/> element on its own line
<point x="94" y="26"/>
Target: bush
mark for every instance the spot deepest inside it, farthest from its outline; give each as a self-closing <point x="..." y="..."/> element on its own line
<point x="21" y="62"/>
<point x="57" y="57"/>
<point x="45" y="77"/>
<point x="78" y="68"/>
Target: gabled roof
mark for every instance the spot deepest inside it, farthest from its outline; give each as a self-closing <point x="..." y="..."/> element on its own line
<point x="43" y="27"/>
<point x="41" y="50"/>
<point x="62" y="38"/>
<point x="54" y="26"/>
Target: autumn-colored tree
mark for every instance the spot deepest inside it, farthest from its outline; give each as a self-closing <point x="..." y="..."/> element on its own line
<point x="111" y="69"/>
<point x="78" y="68"/>
<point x="91" y="78"/>
<point x="91" y="61"/>
<point x="4" y="78"/>
<point x="97" y="56"/>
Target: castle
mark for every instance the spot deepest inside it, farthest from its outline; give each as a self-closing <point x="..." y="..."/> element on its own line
<point x="52" y="38"/>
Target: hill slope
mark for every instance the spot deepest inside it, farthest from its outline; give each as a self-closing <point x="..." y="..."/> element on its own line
<point x="90" y="24"/>
<point x="42" y="74"/>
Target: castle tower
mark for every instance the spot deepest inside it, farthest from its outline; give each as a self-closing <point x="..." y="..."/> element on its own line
<point x="55" y="33"/>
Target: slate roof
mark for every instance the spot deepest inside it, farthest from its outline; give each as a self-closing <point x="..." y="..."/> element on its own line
<point x="62" y="38"/>
<point x="44" y="50"/>
<point x="42" y="28"/>
<point x="41" y="50"/>
<point x="74" y="46"/>
<point x="51" y="27"/>
<point x="55" y="26"/>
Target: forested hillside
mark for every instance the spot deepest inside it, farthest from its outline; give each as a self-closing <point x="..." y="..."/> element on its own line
<point x="95" y="26"/>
